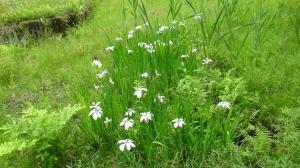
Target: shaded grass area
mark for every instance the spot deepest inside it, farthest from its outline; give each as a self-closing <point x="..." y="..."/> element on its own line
<point x="16" y="10"/>
<point x="263" y="49"/>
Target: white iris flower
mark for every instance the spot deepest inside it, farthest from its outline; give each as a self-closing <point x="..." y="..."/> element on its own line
<point x="178" y="122"/>
<point x="126" y="123"/>
<point x="126" y="144"/>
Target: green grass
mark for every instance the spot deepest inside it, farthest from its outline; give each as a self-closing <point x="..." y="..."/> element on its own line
<point x="255" y="51"/>
<point x="15" y="10"/>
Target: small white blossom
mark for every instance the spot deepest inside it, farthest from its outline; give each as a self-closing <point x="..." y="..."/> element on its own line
<point x="224" y="105"/>
<point x="96" y="111"/>
<point x="162" y="29"/>
<point x="146" y="24"/>
<point x="126" y="123"/>
<point x="139" y="92"/>
<point x="119" y="39"/>
<point x="198" y="16"/>
<point x="107" y="120"/>
<point x="111" y="48"/>
<point x="181" y="24"/>
<point x="171" y="43"/>
<point x="111" y="81"/>
<point x="160" y="98"/>
<point x="102" y="74"/>
<point x="185" y="56"/>
<point x="146" y="116"/>
<point x="95" y="105"/>
<point x="207" y="61"/>
<point x="130" y="34"/>
<point x="178" y="122"/>
<point x="142" y="44"/>
<point x="97" y="87"/>
<point x="129" y="51"/>
<point x="97" y="63"/>
<point x="130" y="112"/>
<point x="138" y="27"/>
<point x="194" y="50"/>
<point x="145" y="75"/>
<point x="148" y="47"/>
<point x="126" y="144"/>
<point x="174" y="22"/>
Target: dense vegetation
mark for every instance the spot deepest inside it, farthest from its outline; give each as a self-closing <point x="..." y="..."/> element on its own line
<point x="157" y="84"/>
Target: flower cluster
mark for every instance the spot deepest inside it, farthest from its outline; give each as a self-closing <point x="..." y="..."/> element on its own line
<point x="148" y="47"/>
<point x="141" y="92"/>
<point x="162" y="29"/>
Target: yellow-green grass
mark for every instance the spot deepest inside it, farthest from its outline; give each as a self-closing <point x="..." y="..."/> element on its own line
<point x="14" y="10"/>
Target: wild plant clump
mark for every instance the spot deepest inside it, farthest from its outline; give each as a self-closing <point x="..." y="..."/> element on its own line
<point x="37" y="131"/>
<point x="163" y="94"/>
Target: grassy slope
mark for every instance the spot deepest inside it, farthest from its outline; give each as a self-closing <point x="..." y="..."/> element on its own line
<point x="31" y="9"/>
<point x="57" y="71"/>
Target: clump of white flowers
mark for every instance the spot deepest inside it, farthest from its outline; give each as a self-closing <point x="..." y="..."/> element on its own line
<point x="146" y="117"/>
<point x="127" y="123"/>
<point x="126" y="144"/>
<point x="111" y="48"/>
<point x="96" y="111"/>
<point x="178" y="122"/>
<point x="139" y="92"/>
<point x="97" y="63"/>
<point x="224" y="104"/>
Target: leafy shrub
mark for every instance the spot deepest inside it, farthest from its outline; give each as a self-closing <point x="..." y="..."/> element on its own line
<point x="35" y="130"/>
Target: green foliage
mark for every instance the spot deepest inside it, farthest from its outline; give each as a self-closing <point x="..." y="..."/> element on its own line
<point x="35" y="130"/>
<point x="20" y="9"/>
<point x="254" y="46"/>
<point x="191" y="89"/>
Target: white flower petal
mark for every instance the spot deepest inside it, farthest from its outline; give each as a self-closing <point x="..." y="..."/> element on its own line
<point x="122" y="147"/>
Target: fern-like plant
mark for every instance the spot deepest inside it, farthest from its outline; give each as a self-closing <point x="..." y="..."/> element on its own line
<point x="34" y="130"/>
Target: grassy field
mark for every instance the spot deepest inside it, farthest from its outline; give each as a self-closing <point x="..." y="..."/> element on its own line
<point x="15" y="10"/>
<point x="229" y="69"/>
